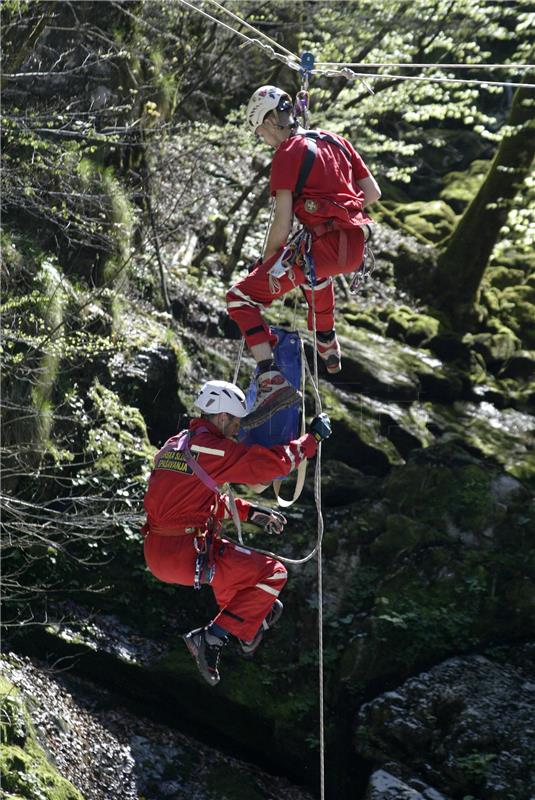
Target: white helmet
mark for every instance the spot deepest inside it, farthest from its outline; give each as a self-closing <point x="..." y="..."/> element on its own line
<point x="264" y="100"/>
<point x="218" y="396"/>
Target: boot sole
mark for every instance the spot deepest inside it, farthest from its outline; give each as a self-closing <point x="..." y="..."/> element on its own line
<point x="334" y="371"/>
<point x="287" y="397"/>
<point x="202" y="666"/>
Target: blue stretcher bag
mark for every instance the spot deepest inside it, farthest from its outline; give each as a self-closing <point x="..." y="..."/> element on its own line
<point x="285" y="424"/>
<point x="288" y="423"/>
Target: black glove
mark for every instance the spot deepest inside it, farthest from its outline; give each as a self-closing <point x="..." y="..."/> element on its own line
<point x="320" y="427"/>
<point x="267" y="518"/>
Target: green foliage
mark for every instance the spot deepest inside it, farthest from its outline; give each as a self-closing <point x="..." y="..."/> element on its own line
<point x="476" y="765"/>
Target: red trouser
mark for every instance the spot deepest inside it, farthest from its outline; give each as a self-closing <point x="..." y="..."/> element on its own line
<point x="245" y="583"/>
<point x="248" y="296"/>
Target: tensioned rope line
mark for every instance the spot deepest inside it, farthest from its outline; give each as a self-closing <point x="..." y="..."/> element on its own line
<point x="346" y="72"/>
<point x="252" y="28"/>
<point x="428" y="65"/>
<point x="291" y="61"/>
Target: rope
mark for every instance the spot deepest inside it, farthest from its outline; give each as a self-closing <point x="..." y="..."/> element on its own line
<point x="251" y="28"/>
<point x="423" y="66"/>
<point x="317" y="498"/>
<point x="346" y="72"/>
<point x="290" y="60"/>
<point x="316" y="551"/>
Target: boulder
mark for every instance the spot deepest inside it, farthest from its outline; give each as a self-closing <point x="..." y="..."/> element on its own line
<point x="385" y="786"/>
<point x="504" y="435"/>
<point x="461" y="187"/>
<point x="465" y="726"/>
<point x="383" y="368"/>
<point x="432" y="220"/>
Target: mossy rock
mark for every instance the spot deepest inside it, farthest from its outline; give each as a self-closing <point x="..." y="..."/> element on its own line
<point x="340" y="484"/>
<point x="118" y="444"/>
<point x="434" y="494"/>
<point x="503" y="435"/>
<point x="496" y="348"/>
<point x="25" y="770"/>
<point x="411" y="327"/>
<point x="501" y="277"/>
<point x="363" y="320"/>
<point x="432" y="221"/>
<point x="521" y="366"/>
<point x="401" y="534"/>
<point x="227" y="783"/>
<point x="461" y="187"/>
<point x="384" y="368"/>
<point x="519" y="294"/>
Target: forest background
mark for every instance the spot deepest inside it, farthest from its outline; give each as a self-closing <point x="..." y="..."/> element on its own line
<point x="132" y="195"/>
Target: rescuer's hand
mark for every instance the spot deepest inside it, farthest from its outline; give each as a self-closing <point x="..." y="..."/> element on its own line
<point x="267" y="518"/>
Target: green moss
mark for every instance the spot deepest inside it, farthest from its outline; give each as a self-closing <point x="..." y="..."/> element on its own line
<point x="122" y="225"/>
<point x="440" y="492"/>
<point x="494" y="347"/>
<point x="401" y="533"/>
<point x="118" y="444"/>
<point x="429" y="221"/>
<point x="411" y="327"/>
<point x="24" y="768"/>
<point x="500" y="277"/>
<point x="461" y="187"/>
<point x="356" y="423"/>
<point x="363" y="320"/>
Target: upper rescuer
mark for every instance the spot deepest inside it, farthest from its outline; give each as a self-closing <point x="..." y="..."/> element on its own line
<point x="319" y="177"/>
<point x="184" y="511"/>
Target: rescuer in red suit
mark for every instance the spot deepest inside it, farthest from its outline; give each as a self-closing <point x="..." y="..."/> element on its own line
<point x="330" y="205"/>
<point x="184" y="511"/>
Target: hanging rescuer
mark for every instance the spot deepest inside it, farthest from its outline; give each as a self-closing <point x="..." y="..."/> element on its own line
<point x="185" y="507"/>
<point x="319" y="177"/>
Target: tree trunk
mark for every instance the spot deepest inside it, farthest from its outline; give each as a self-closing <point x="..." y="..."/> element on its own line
<point x="462" y="264"/>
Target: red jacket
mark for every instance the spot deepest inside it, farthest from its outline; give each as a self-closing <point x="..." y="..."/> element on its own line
<point x="176" y="496"/>
<point x="332" y="181"/>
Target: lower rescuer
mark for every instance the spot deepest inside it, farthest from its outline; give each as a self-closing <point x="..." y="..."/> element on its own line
<point x="184" y="511"/>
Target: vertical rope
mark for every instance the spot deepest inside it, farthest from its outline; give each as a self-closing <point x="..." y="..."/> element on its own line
<point x="317" y="498"/>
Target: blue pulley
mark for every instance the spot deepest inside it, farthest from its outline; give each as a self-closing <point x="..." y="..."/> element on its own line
<point x="307" y="63"/>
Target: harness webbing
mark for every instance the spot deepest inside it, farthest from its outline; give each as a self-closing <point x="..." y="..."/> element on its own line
<point x="310" y="155"/>
<point x="209" y="482"/>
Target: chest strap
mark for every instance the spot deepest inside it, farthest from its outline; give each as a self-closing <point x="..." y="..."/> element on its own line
<point x="310" y="156"/>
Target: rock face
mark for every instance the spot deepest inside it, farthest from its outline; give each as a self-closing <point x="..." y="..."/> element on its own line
<point x="466" y="727"/>
<point x="385" y="786"/>
<point x="79" y="736"/>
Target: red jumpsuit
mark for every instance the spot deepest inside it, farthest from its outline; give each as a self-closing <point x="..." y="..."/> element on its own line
<point x="245" y="583"/>
<point x="332" y="188"/>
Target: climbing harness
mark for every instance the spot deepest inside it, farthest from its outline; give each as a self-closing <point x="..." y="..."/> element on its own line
<point x="204" y="541"/>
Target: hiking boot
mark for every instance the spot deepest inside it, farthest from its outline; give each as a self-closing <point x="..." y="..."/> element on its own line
<point x="248" y="649"/>
<point x="273" y="392"/>
<point x="331" y="354"/>
<point x="206" y="655"/>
